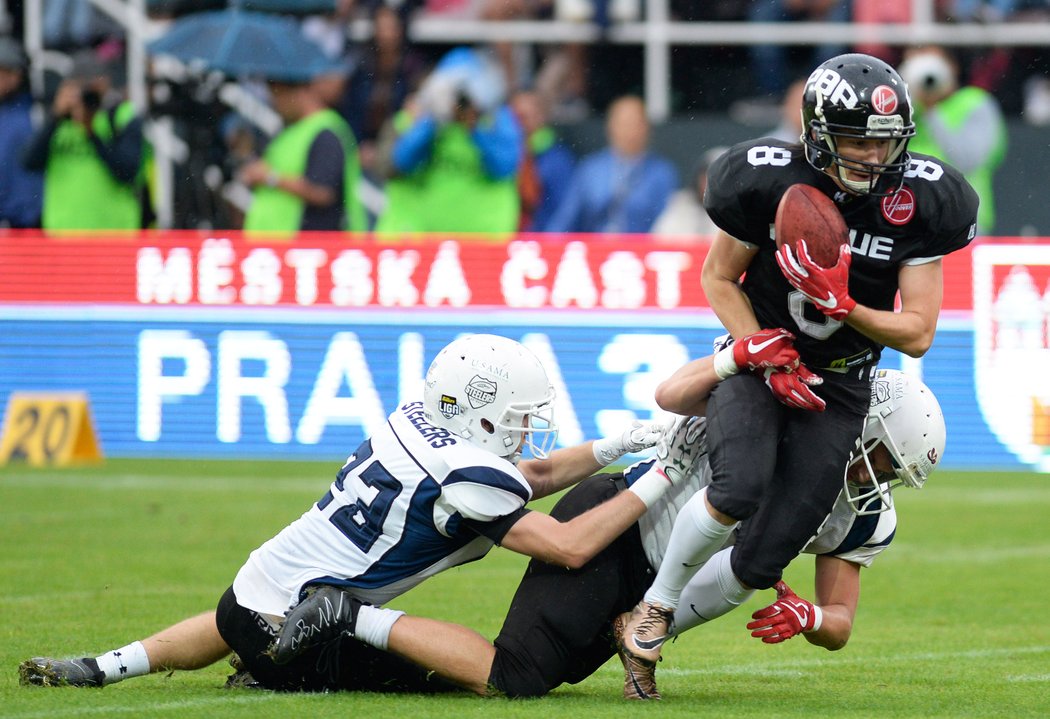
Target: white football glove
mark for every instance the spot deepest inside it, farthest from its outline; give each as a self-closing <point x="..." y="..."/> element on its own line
<point x="637" y="437"/>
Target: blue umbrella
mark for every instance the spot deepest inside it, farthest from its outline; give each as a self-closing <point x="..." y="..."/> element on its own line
<point x="244" y="43"/>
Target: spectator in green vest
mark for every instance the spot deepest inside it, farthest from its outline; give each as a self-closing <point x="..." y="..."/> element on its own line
<point x="457" y="153"/>
<point x="963" y="126"/>
<point x="91" y="151"/>
<point x="308" y="176"/>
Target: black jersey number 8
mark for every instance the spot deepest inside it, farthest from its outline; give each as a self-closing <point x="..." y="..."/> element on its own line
<point x="767" y="155"/>
<point x="817" y="329"/>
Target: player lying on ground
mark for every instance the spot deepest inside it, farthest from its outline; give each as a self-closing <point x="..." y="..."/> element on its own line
<point x="435" y="487"/>
<point x="558" y="627"/>
<point x="197" y="642"/>
<point x="903" y="441"/>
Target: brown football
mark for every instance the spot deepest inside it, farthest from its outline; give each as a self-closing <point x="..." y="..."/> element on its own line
<point x="807" y="213"/>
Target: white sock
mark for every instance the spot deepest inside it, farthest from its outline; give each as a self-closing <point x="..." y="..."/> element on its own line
<point x="374" y="624"/>
<point x="123" y="663"/>
<point x="695" y="537"/>
<point x="714" y="591"/>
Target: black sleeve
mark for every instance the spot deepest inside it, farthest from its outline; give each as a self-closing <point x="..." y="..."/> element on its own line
<point x="326" y="163"/>
<point x="35" y="153"/>
<point x="123" y="156"/>
<point x="497" y="529"/>
<point x="956" y="223"/>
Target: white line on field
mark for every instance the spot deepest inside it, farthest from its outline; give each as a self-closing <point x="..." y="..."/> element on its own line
<point x="797" y="667"/>
<point x="137" y="708"/>
<point x="1028" y="678"/>
<point x="195" y="483"/>
<point x="915" y="553"/>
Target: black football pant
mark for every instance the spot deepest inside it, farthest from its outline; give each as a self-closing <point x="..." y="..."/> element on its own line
<point x="558" y="629"/>
<point x="342" y="665"/>
<point x="779" y="468"/>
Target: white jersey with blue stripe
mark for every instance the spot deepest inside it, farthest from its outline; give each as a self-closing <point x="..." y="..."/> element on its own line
<point x="844" y="534"/>
<point x="396" y="514"/>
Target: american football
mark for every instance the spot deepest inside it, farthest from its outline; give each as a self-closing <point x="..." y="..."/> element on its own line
<point x="806" y="212"/>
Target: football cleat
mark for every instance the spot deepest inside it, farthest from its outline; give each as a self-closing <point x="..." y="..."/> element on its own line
<point x="326" y="614"/>
<point x="647" y="628"/>
<point x="679" y="449"/>
<point x="639" y="675"/>
<point x="47" y="672"/>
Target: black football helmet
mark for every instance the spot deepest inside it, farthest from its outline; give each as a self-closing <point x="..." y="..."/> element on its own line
<point x="858" y="95"/>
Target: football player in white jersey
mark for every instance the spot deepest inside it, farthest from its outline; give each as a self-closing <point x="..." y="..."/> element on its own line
<point x="902" y="443"/>
<point x="436" y="487"/>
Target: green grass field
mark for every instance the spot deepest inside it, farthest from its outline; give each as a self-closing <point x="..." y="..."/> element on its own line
<point x="952" y="621"/>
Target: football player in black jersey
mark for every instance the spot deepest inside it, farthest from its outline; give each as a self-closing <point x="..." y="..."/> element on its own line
<point x="780" y="440"/>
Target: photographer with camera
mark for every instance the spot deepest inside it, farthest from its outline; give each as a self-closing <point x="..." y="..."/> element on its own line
<point x="91" y="151"/>
<point x="962" y="125"/>
<point x="457" y="153"/>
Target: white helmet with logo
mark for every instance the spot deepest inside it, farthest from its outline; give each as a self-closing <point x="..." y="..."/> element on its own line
<point x="492" y="392"/>
<point x="906" y="418"/>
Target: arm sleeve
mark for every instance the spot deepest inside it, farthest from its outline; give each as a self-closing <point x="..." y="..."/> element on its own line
<point x="413" y="148"/>
<point x="725" y="199"/>
<point x="500" y="143"/>
<point x="326" y="162"/>
<point x="497" y="529"/>
<point x="123" y="156"/>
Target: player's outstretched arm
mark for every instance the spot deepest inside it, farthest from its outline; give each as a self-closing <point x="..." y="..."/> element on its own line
<point x="573" y="543"/>
<point x="827" y="623"/>
<point x="686" y="391"/>
<point x="565" y="467"/>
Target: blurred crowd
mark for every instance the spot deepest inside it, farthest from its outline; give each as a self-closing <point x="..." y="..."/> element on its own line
<point x="398" y="137"/>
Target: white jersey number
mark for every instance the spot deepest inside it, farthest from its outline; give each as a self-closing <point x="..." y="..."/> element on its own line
<point x="818" y="330"/>
<point x="766" y="155"/>
<point x="376" y="489"/>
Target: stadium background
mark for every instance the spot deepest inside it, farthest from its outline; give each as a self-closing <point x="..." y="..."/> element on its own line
<point x="192" y="345"/>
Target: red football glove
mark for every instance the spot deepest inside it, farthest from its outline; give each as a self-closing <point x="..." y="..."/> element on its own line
<point x="827" y="288"/>
<point x="765" y="349"/>
<point x="769" y="348"/>
<point x="787" y="616"/>
<point x="793" y="388"/>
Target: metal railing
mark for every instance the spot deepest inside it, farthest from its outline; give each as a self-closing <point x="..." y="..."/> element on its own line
<point x="657" y="34"/>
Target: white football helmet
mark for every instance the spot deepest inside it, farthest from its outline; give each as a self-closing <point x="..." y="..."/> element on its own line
<point x="906" y="418"/>
<point x="492" y="392"/>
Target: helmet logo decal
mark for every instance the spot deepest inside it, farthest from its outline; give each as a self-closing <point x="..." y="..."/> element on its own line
<point x="884" y="100"/>
<point x="493" y="369"/>
<point x="932" y="455"/>
<point x="829" y="84"/>
<point x="480" y="391"/>
<point x="448" y="406"/>
<point x="898" y="209"/>
<point x="880" y="392"/>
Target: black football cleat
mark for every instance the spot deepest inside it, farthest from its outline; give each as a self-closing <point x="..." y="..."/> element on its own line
<point x="47" y="672"/>
<point x="326" y="614"/>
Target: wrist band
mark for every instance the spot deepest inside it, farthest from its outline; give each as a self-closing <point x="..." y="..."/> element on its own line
<point x="724" y="364"/>
<point x="650" y="487"/>
<point x="606" y="451"/>
<point x="818" y="618"/>
<point x="272" y="179"/>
